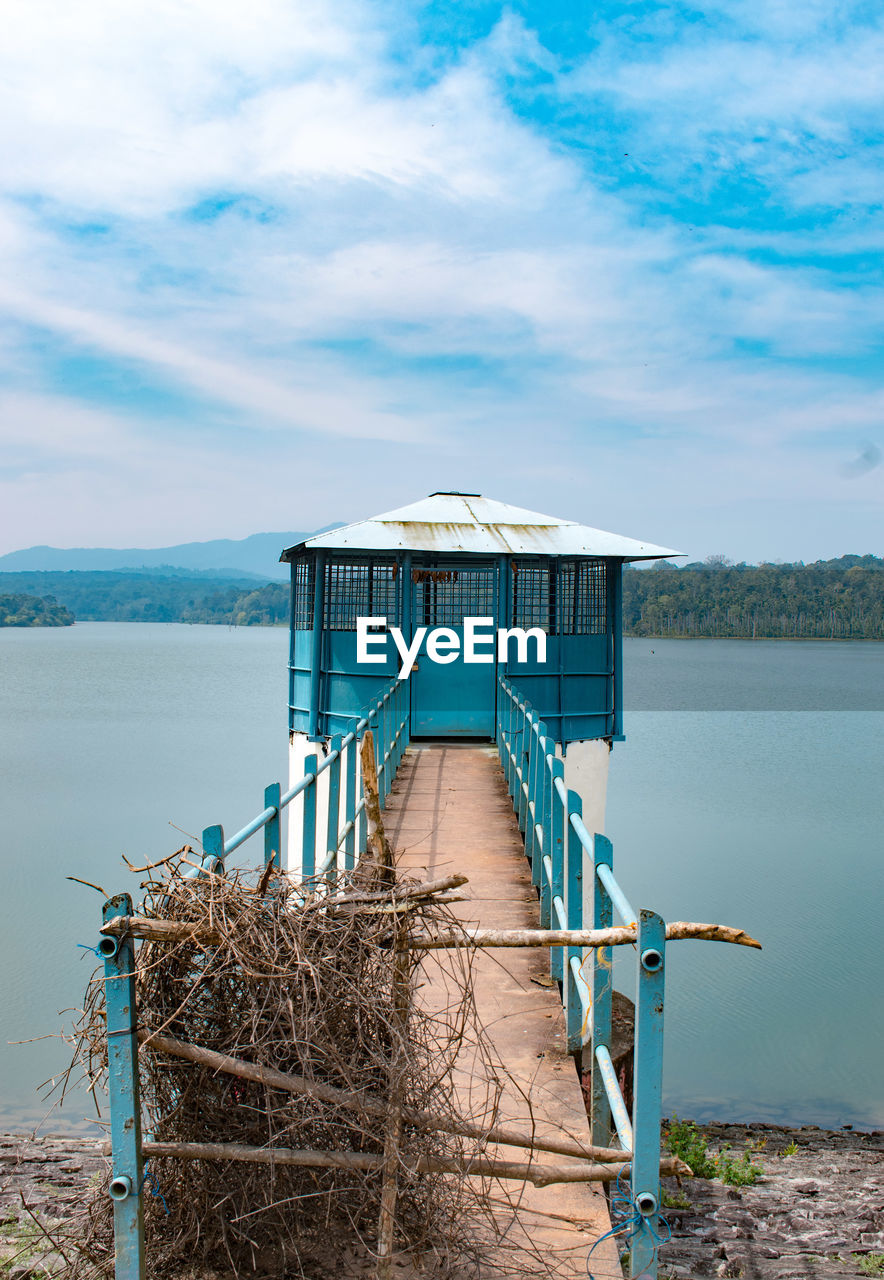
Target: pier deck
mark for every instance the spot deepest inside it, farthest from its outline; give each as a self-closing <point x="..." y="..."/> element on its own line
<point x="449" y="812"/>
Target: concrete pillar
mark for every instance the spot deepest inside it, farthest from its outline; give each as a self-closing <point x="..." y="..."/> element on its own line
<point x="586" y="772"/>
<point x="299" y="748"/>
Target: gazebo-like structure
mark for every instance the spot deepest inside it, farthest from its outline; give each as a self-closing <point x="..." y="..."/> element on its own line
<point x="435" y="563"/>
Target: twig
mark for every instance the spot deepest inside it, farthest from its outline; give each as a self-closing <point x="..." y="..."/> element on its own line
<point x="149" y="866"/>
<point x="88" y="884"/>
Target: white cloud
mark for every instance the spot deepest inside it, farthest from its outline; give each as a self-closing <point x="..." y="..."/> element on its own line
<point x="395" y="228"/>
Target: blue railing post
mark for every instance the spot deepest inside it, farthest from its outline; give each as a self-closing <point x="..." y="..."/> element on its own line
<point x="602" y="993"/>
<point x="508" y="727"/>
<point x="526" y="739"/>
<point x="333" y="822"/>
<point x="350" y="803"/>
<point x="574" y="902"/>
<point x="648" y="1089"/>
<point x="308" y="822"/>
<point x="533" y="802"/>
<point x="272" y="839"/>
<point x="212" y="841"/>
<point x="543" y="848"/>
<point x="539" y="796"/>
<point x="383" y="738"/>
<point x="123" y="1095"/>
<point x="557" y="854"/>
<point x="362" y="824"/>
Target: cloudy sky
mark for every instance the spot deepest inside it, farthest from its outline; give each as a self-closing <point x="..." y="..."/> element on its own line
<point x="272" y="264"/>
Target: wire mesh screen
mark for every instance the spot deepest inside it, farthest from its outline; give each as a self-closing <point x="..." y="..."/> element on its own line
<point x="563" y="597"/>
<point x="582" y="598"/>
<point x="361" y="589"/>
<point x="303" y="571"/>
<point x="444" y="597"/>
<point x="531" y="595"/>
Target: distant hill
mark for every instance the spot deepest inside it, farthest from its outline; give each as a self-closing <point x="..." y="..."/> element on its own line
<point x="257" y="555"/>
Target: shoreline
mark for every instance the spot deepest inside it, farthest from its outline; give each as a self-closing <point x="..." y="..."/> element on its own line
<point x="815" y="1213"/>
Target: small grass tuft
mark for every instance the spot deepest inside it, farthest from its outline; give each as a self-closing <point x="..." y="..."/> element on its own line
<point x="684" y="1139"/>
<point x="740" y="1172"/>
<point x="678" y="1200"/>
<point x="870" y="1264"/>
<point x="790" y="1149"/>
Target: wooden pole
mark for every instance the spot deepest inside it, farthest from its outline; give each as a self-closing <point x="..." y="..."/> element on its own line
<point x="401" y="999"/>
<point x="153" y="930"/>
<point x="615" y="937"/>
<point x="538" y="1174"/>
<point x="377" y="844"/>
<point x="368" y="1104"/>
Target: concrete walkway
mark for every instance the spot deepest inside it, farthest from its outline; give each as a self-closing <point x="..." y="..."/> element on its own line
<point x="449" y="812"/>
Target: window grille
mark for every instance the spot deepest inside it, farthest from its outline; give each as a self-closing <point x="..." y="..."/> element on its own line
<point x="303" y="574"/>
<point x="583" y="601"/>
<point x="531" y="595"/>
<point x="361" y="589"/>
<point x="563" y="597"/>
<point x="444" y="597"/>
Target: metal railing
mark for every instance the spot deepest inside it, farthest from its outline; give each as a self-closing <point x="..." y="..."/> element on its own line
<point x="389" y="720"/>
<point x="572" y="871"/>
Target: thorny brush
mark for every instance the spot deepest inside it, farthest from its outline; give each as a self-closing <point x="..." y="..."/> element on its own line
<point x="307" y="990"/>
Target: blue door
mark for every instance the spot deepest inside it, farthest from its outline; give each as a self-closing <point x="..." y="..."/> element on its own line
<point x="455" y="699"/>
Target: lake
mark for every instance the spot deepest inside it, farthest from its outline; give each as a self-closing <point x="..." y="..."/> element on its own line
<point x="748" y="792"/>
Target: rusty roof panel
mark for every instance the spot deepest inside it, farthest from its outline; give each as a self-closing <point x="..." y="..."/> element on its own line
<point x="466" y="523"/>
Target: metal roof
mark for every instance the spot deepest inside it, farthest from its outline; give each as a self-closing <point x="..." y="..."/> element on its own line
<point x="465" y="522"/>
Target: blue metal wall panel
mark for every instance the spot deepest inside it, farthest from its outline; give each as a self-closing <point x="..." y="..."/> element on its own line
<point x="346" y="687"/>
<point x="573" y="690"/>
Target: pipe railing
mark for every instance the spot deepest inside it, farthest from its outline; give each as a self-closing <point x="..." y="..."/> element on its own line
<point x="572" y="871"/>
<point x="389" y="721"/>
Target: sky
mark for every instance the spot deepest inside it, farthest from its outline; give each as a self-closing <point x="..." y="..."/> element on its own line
<point x="272" y="265"/>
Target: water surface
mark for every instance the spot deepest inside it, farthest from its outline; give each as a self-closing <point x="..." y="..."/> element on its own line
<point x="748" y="791"/>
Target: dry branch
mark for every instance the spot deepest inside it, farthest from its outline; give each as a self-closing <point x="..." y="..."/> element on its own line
<point x="373" y="1106"/>
<point x="616" y="937"/>
<point x="541" y="1175"/>
<point x="378" y="846"/>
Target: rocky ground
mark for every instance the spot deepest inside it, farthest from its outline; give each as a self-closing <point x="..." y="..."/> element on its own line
<point x="817" y="1211"/>
<point x="43" y="1180"/>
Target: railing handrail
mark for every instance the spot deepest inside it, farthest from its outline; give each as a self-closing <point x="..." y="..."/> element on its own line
<point x="560" y="849"/>
<point x="271" y="813"/>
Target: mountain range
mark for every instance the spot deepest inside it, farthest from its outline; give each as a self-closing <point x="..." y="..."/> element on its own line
<point x="257" y="555"/>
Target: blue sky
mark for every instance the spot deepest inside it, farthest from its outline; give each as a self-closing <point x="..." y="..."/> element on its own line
<point x="272" y="265"/>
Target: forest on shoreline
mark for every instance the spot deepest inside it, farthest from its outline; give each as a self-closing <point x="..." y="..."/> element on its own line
<point x="839" y="599"/>
<point x="22" y="610"/>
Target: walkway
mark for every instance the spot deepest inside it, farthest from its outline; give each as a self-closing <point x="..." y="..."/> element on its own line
<point x="449" y="812"/>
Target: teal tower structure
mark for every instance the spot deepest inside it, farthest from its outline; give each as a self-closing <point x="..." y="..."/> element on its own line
<point x="442" y="569"/>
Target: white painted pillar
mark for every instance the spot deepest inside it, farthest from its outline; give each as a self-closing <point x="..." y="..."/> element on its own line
<point x="586" y="772"/>
<point x="299" y="749"/>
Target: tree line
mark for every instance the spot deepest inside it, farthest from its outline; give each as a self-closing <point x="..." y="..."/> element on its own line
<point x="21" y="610"/>
<point x="834" y="600"/>
<point x="830" y="600"/>
<point x="110" y="596"/>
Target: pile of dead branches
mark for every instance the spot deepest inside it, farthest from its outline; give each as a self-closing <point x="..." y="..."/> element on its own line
<point x="314" y="989"/>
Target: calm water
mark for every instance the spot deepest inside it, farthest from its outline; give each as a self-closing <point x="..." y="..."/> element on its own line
<point x="748" y="792"/>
